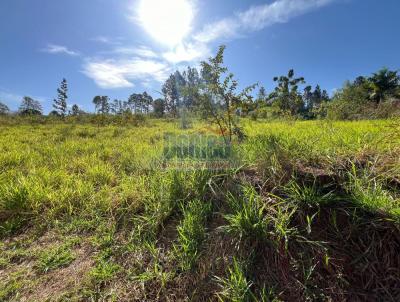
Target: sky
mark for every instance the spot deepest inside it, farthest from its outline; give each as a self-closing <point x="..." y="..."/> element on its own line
<point x="117" y="48"/>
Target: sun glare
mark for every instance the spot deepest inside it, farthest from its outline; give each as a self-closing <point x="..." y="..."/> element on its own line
<point x="166" y="21"/>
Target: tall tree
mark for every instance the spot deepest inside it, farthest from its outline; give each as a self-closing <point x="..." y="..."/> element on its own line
<point x="171" y="95"/>
<point x="60" y="104"/>
<point x="102" y="104"/>
<point x="117" y="107"/>
<point x="30" y="106"/>
<point x="159" y="107"/>
<point x="147" y="101"/>
<point x="308" y="97"/>
<point x="384" y="83"/>
<point x="4" y="109"/>
<point x="190" y="90"/>
<point x="134" y="102"/>
<point x="286" y="93"/>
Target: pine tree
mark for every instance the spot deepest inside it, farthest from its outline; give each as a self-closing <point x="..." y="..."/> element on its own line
<point x="117" y="107"/>
<point x="102" y="104"/>
<point x="147" y="100"/>
<point x="60" y="104"/>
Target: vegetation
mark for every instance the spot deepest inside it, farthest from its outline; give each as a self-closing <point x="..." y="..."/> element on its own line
<point x="131" y="204"/>
<point x="211" y="93"/>
<point x="60" y="104"/>
<point x="4" y="109"/>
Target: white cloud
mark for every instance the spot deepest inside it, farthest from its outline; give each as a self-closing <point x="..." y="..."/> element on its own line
<point x="120" y="73"/>
<point x="141" y="51"/>
<point x="126" y="64"/>
<point x="257" y="18"/>
<point x="261" y="16"/>
<point x="58" y="49"/>
<point x="187" y="53"/>
<point x="225" y="28"/>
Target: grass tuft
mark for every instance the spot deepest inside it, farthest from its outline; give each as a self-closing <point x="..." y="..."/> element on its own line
<point x="60" y="256"/>
<point x="191" y="232"/>
<point x="235" y="287"/>
<point x="247" y="220"/>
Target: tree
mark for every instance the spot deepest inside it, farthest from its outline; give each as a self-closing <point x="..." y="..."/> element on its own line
<point x="308" y="97"/>
<point x="30" y="106"/>
<point x="138" y="102"/>
<point x="190" y="90"/>
<point x="171" y="95"/>
<point x="146" y="102"/>
<point x="313" y="99"/>
<point x="54" y="113"/>
<point x="4" y="109"/>
<point x="286" y="94"/>
<point x="384" y="83"/>
<point x="60" y="104"/>
<point x="159" y="107"/>
<point x="219" y="98"/>
<point x="134" y="102"/>
<point x="349" y="102"/>
<point x="75" y="110"/>
<point x="117" y="107"/>
<point x="262" y="95"/>
<point x="102" y="104"/>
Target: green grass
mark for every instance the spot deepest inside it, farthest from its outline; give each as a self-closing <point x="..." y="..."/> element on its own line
<point x="247" y="220"/>
<point x="55" y="257"/>
<point x="191" y="232"/>
<point x="296" y="192"/>
<point x="235" y="287"/>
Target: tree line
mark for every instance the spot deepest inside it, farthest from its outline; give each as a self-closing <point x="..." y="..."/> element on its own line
<point x="364" y="97"/>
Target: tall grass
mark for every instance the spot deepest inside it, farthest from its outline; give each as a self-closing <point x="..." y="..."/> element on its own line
<point x="247" y="220"/>
<point x="146" y="225"/>
<point x="191" y="232"/>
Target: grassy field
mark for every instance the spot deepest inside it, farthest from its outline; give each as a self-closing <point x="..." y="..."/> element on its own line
<point x="298" y="211"/>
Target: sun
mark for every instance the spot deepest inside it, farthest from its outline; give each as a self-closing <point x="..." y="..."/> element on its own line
<point x="167" y="21"/>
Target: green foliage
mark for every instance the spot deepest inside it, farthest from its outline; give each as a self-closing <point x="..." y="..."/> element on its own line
<point x="4" y="109"/>
<point x="219" y="98"/>
<point x="308" y="195"/>
<point x="247" y="220"/>
<point x="363" y="97"/>
<point x="30" y="106"/>
<point x="14" y="283"/>
<point x="191" y="232"/>
<point x="235" y="287"/>
<point x="159" y="108"/>
<point x="59" y="256"/>
<point x="60" y="104"/>
<point x="171" y="95"/>
<point x="286" y="95"/>
<point x="368" y="193"/>
<point x="104" y="271"/>
<point x="384" y="84"/>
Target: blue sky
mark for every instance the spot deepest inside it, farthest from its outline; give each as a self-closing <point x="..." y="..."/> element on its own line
<point x="115" y="48"/>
